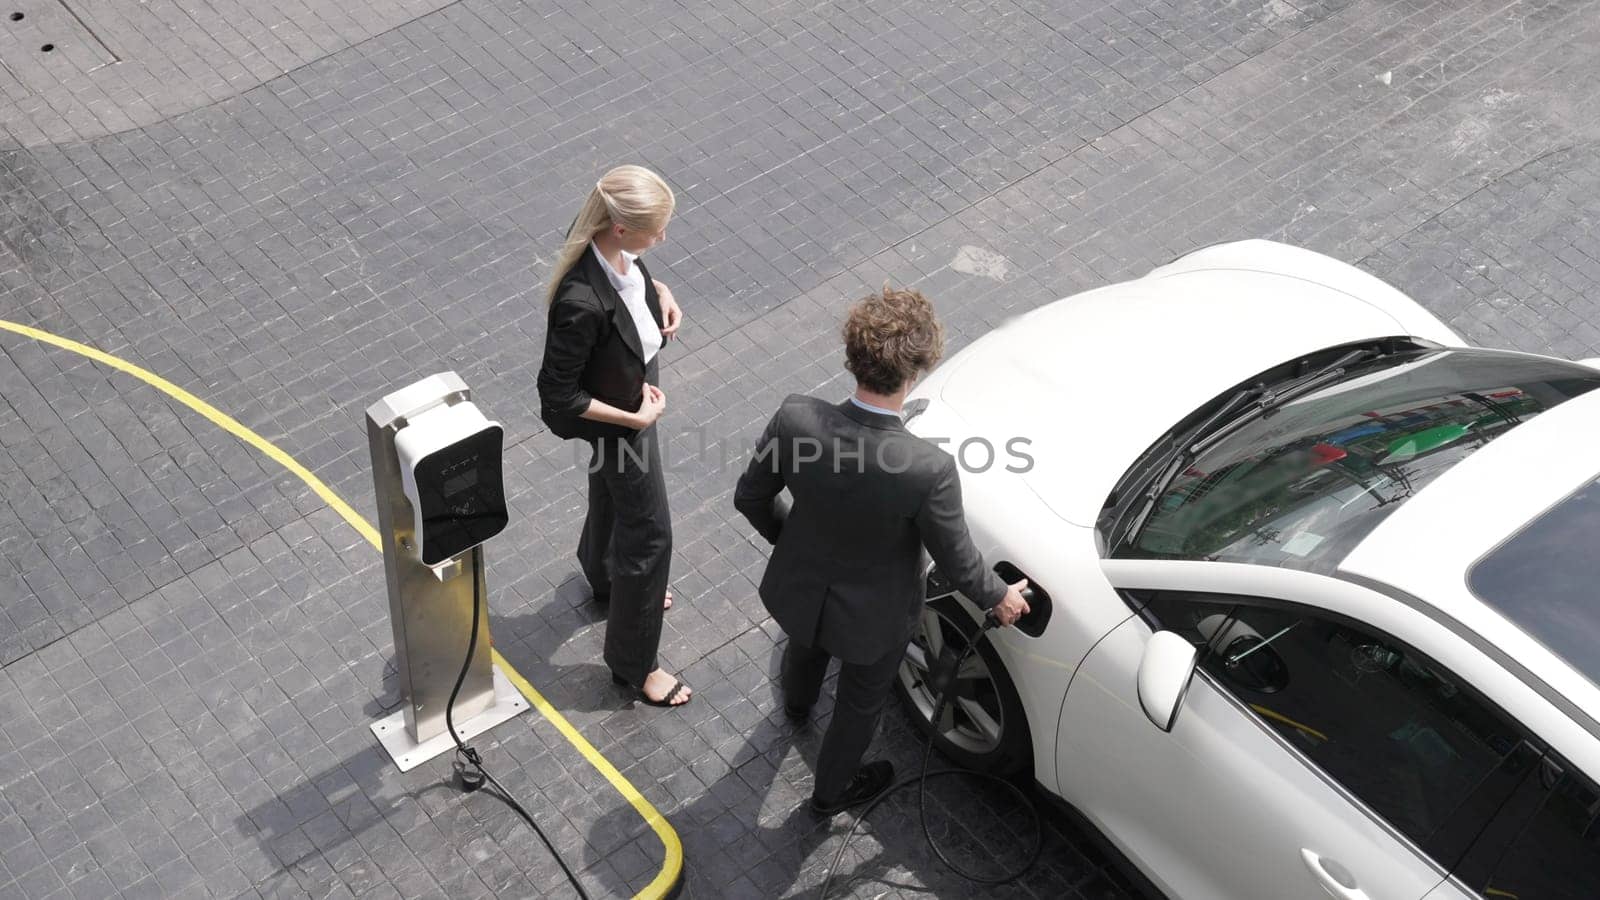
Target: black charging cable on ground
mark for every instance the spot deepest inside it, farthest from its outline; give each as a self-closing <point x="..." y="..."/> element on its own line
<point x="941" y="677"/>
<point x="466" y="757"/>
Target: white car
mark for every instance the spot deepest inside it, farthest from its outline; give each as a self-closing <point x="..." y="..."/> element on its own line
<point x="1317" y="603"/>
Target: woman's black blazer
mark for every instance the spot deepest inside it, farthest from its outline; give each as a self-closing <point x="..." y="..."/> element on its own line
<point x="592" y="350"/>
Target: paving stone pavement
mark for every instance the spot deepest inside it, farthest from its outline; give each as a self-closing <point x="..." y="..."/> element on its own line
<point x="75" y="70"/>
<point x="193" y="644"/>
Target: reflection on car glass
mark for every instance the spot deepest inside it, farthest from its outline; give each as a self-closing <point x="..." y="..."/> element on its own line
<point x="1302" y="486"/>
<point x="1543" y="580"/>
<point x="1386" y="722"/>
<point x="1234" y="660"/>
<point x="1306" y="541"/>
<point x="1557" y="854"/>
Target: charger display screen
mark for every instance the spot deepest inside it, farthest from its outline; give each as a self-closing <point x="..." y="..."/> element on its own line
<point x="462" y="495"/>
<point x="457" y="484"/>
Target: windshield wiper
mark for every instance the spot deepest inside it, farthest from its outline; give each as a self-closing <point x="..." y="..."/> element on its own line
<point x="1181" y="456"/>
<point x="1272" y="398"/>
<point x="1229" y="417"/>
<point x="1219" y="425"/>
<point x="1157" y="485"/>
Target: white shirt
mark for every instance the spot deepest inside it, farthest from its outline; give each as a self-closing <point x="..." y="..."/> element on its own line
<point x="870" y="408"/>
<point x="631" y="287"/>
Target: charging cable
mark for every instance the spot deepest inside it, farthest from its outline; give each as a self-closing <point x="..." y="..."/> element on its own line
<point x="941" y="678"/>
<point x="469" y="763"/>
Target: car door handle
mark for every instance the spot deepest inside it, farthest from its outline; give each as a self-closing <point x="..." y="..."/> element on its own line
<point x="1334" y="878"/>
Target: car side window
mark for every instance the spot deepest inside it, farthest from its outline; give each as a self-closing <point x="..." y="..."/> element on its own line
<point x="1390" y="725"/>
<point x="1556" y="854"/>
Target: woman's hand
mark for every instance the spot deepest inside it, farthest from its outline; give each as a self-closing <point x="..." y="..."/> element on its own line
<point x="671" y="313"/>
<point x="652" y="404"/>
<point x="655" y="403"/>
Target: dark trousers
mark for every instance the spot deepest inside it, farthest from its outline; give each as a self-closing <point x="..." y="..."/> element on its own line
<point x="626" y="548"/>
<point x="857" y="704"/>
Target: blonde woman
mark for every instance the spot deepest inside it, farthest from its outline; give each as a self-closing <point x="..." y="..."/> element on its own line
<point x="599" y="382"/>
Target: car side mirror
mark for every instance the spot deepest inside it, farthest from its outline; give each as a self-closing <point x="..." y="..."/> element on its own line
<point x="1165" y="672"/>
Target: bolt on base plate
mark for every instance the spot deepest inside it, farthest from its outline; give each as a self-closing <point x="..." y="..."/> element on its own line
<point x="408" y="754"/>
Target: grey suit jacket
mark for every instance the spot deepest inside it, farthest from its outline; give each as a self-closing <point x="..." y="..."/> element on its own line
<point x="845" y="574"/>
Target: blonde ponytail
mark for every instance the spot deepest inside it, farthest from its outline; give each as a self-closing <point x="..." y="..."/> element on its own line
<point x="631" y="196"/>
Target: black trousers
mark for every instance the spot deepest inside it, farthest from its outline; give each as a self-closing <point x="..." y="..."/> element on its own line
<point x="857" y="705"/>
<point x="626" y="548"/>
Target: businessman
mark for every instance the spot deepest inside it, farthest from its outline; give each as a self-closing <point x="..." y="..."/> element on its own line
<point x="845" y="576"/>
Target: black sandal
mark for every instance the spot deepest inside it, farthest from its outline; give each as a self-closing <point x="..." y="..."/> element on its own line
<point x="664" y="702"/>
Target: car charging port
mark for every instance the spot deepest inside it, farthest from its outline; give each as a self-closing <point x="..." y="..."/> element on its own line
<point x="1033" y="624"/>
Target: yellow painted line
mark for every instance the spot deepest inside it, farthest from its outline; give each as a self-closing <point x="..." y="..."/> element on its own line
<point x="1298" y="726"/>
<point x="671" y="865"/>
<point x="217" y="417"/>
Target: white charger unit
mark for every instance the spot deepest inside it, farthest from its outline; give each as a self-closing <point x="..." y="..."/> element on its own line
<point x="450" y="471"/>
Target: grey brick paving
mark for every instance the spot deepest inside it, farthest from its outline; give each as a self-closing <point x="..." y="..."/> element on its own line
<point x="193" y="644"/>
<point x="114" y="66"/>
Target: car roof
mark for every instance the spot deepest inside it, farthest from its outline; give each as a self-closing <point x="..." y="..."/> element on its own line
<point x="1428" y="546"/>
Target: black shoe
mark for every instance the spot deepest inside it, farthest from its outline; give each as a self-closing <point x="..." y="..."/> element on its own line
<point x="797" y="714"/>
<point x="871" y="780"/>
<point x="639" y="694"/>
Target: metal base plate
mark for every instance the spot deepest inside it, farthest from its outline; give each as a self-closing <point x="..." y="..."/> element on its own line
<point x="407" y="754"/>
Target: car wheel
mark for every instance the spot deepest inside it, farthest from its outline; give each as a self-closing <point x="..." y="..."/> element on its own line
<point x="983" y="727"/>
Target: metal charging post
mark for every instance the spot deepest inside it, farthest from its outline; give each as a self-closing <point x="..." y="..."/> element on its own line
<point x="431" y="605"/>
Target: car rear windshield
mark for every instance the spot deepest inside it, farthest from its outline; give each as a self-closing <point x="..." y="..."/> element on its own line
<point x="1301" y="486"/>
<point x="1546" y="577"/>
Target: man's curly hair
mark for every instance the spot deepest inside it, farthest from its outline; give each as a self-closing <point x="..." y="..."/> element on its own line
<point x="890" y="337"/>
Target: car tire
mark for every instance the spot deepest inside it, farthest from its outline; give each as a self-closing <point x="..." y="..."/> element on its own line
<point x="988" y="731"/>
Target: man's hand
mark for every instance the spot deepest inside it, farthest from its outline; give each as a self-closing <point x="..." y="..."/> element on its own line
<point x="671" y="314"/>
<point x="1012" y="607"/>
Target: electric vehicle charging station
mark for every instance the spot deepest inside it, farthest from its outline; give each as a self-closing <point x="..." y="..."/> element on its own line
<point x="440" y="491"/>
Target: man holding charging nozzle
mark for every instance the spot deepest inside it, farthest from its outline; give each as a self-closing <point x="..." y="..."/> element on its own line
<point x="845" y="577"/>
